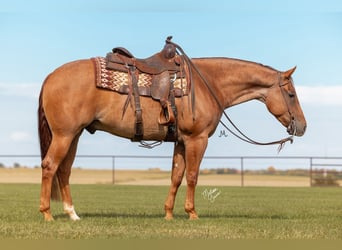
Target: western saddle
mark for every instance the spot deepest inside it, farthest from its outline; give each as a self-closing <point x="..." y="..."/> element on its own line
<point x="164" y="67"/>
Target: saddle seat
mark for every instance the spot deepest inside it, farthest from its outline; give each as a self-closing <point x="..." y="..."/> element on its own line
<point x="165" y="60"/>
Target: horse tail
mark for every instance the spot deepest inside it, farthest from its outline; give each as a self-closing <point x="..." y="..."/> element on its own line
<point x="45" y="138"/>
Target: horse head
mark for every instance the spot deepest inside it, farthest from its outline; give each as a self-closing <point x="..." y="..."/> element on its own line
<point x="283" y="103"/>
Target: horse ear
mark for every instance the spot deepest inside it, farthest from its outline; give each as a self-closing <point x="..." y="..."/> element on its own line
<point x="290" y="72"/>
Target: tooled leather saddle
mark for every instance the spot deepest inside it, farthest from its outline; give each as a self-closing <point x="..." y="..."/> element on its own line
<point x="164" y="68"/>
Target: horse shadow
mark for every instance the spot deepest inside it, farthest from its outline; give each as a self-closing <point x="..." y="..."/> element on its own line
<point x="113" y="215"/>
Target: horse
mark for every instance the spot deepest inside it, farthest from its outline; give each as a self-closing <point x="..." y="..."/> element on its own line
<point x="69" y="102"/>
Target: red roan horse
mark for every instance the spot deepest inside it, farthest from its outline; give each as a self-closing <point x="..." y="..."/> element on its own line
<point x="69" y="102"/>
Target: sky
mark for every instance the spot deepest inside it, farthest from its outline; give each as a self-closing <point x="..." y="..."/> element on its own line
<point x="39" y="36"/>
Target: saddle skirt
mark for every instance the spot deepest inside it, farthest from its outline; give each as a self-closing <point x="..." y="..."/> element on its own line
<point x="118" y="81"/>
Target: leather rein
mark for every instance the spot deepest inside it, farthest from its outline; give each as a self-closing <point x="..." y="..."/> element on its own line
<point x="239" y="134"/>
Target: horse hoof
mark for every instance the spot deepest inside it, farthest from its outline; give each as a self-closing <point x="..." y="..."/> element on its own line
<point x="168" y="217"/>
<point x="74" y="217"/>
<point x="193" y="216"/>
<point x="70" y="210"/>
<point x="48" y="217"/>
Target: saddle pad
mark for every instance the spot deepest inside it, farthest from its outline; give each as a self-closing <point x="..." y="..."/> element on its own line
<point x="118" y="81"/>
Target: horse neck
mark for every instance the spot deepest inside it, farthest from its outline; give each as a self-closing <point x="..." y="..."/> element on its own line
<point x="236" y="81"/>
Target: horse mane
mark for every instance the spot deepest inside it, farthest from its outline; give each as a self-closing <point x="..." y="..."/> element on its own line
<point x="236" y="60"/>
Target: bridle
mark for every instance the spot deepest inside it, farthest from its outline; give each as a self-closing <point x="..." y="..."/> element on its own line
<point x="293" y="122"/>
<point x="247" y="139"/>
<point x="239" y="134"/>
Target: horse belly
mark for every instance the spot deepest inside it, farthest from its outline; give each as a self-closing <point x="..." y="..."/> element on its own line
<point x="114" y="121"/>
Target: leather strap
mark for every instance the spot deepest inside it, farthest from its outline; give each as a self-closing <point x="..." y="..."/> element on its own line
<point x="172" y="128"/>
<point x="139" y="128"/>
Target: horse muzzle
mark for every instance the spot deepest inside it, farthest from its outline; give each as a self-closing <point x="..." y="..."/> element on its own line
<point x="296" y="128"/>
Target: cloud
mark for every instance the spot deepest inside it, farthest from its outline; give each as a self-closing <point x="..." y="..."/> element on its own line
<point x="20" y="89"/>
<point x="20" y="136"/>
<point x="320" y="95"/>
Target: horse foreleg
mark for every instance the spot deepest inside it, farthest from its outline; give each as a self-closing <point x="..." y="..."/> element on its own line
<point x="178" y="167"/>
<point x="194" y="151"/>
<point x="63" y="174"/>
<point x="55" y="155"/>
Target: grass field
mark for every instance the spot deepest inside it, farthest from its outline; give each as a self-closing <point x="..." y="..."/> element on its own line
<point x="136" y="212"/>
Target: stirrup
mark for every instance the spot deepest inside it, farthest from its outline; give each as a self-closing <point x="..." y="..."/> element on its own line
<point x="166" y="115"/>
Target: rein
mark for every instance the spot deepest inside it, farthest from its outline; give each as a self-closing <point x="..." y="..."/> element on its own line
<point x="239" y="134"/>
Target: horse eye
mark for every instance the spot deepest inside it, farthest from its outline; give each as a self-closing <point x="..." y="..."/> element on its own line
<point x="291" y="94"/>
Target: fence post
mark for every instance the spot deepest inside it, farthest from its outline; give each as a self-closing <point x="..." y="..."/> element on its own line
<point x="113" y="170"/>
<point x="242" y="177"/>
<point x="310" y="171"/>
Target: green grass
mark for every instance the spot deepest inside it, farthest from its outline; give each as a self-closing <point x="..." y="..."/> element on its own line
<point x="136" y="212"/>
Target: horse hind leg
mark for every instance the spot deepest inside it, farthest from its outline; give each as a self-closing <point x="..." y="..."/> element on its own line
<point x="58" y="149"/>
<point x="63" y="175"/>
